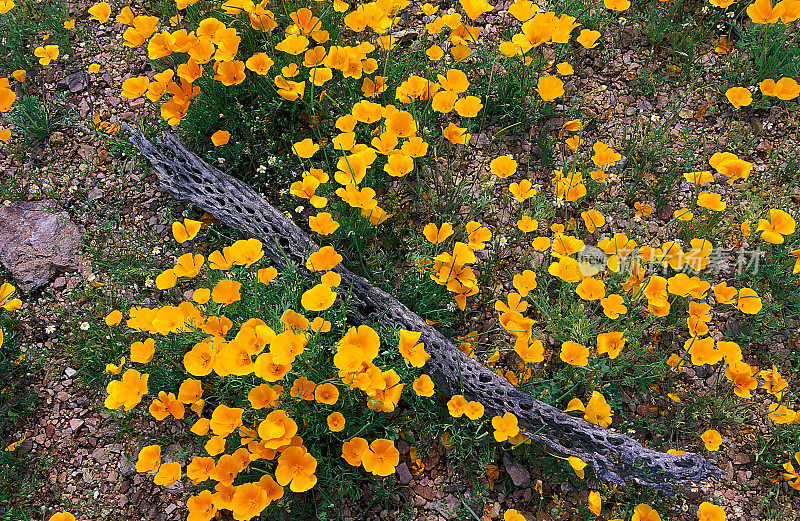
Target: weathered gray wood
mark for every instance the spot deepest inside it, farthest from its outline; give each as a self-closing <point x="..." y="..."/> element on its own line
<point x="613" y="456"/>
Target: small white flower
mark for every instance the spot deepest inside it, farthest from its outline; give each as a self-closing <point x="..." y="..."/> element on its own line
<point x="261" y="169"/>
<point x="84" y="326"/>
<point x="503" y="241"/>
<point x="283" y="191"/>
<point x="623" y="20"/>
<point x="148" y="283"/>
<point x="221" y="160"/>
<point x="156" y="249"/>
<point x="7" y="202"/>
<point x="451" y="306"/>
<point x="655" y="118"/>
<point x="91" y="277"/>
<point x="137" y="218"/>
<point x="299" y="209"/>
<point x="270" y="160"/>
<point x="50" y="329"/>
<point x="637" y="218"/>
<point x="560" y="202"/>
<point x="730" y="14"/>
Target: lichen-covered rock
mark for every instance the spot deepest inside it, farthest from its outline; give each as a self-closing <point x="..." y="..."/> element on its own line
<point x="37" y="241"/>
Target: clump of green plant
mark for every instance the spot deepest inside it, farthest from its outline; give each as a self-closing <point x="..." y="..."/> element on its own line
<point x="280" y="398"/>
<point x="16" y="403"/>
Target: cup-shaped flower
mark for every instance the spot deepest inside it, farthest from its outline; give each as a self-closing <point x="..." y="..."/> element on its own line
<point x="739" y="97"/>
<point x="296" y="468"/>
<point x="423" y="386"/>
<point x="382" y="457"/>
<point x="505" y="426"/>
<point x="550" y="88"/>
<point x="712" y="439"/>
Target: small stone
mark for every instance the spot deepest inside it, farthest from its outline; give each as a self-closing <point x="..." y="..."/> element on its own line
<point x="403" y="474"/>
<point x="403" y="446"/>
<point x="519" y="474"/>
<point x="69" y="372"/>
<point x="95" y="194"/>
<point x="75" y="424"/>
<point x="75" y="82"/>
<point x="741" y="459"/>
<point x="428" y="493"/>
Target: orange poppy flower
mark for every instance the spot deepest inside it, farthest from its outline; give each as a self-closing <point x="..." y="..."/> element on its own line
<point x="226" y="292"/>
<point x="550" y="88"/>
<point x="611" y="343"/>
<point x="229" y="72"/>
<point x="335" y="421"/>
<point x="617" y="5"/>
<point x="149" y="459"/>
<point x="324" y="259"/>
<point x="382" y="457"/>
<point x="423" y="386"/>
<point x="133" y="88"/>
<point x="296" y="468"/>
<point x="739" y="97"/>
<point x="100" y="12"/>
<point x="353" y="451"/>
<point x="505" y="426"/>
<point x="588" y="38"/>
<point x="574" y="354"/>
<point x="780" y="224"/>
<point x="142" y="352"/>
<point x="712" y="439"/>
<point x="259" y="63"/>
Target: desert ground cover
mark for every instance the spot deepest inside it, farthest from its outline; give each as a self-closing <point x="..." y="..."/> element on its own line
<point x="595" y="200"/>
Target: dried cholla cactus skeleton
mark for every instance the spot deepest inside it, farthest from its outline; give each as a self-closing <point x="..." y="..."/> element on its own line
<point x="613" y="456"/>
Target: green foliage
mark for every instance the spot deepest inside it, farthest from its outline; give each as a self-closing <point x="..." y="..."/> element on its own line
<point x="23" y="29"/>
<point x="36" y="118"/>
<point x="19" y="470"/>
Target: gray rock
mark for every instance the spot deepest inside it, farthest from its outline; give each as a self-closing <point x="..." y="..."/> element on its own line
<point x="95" y="194"/>
<point x="403" y="474"/>
<point x="519" y="474"/>
<point x="37" y="240"/>
<point x="75" y="82"/>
